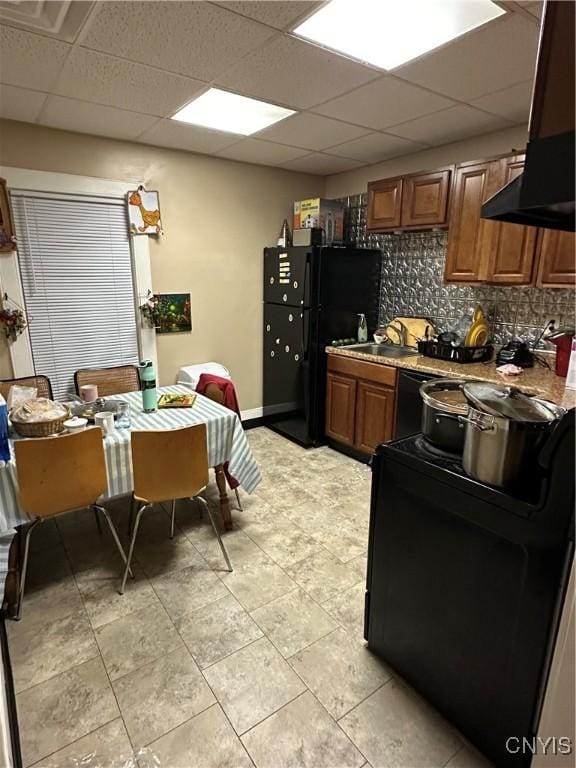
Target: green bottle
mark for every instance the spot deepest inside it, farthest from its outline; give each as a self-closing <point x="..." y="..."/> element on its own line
<point x="148" y="386"/>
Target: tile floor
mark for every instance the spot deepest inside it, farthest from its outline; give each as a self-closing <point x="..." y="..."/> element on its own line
<point x="195" y="667"/>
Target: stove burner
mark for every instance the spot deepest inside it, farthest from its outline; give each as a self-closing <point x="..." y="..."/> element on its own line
<point x="426" y="447"/>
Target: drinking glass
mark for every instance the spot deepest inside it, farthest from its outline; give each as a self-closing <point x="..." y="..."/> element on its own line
<point x="123" y="420"/>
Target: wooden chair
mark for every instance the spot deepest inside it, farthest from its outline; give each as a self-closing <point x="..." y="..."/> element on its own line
<point x="214" y="393"/>
<point x="110" y="381"/>
<point x="168" y="465"/>
<point x="42" y="384"/>
<point x="57" y="475"/>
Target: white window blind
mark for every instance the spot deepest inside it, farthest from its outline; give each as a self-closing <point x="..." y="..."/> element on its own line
<point x="76" y="268"/>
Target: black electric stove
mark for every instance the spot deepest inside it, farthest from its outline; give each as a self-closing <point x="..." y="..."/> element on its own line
<point x="465" y="584"/>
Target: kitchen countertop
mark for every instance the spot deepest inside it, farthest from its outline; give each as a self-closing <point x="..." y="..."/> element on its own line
<point x="535" y="381"/>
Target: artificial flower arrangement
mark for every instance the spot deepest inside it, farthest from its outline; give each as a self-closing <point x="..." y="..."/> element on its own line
<point x="13" y="321"/>
<point x="149" y="310"/>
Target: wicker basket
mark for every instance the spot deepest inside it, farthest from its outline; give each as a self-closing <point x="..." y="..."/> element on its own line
<point x="40" y="428"/>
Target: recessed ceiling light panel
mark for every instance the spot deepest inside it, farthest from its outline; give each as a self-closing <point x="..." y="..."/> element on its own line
<point x="388" y="33"/>
<point x="230" y="112"/>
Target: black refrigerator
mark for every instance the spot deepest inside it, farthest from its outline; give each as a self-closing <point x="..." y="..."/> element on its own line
<point x="312" y="296"/>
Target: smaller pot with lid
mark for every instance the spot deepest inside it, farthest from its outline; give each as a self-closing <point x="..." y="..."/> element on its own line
<point x="505" y="430"/>
<point x="443" y="403"/>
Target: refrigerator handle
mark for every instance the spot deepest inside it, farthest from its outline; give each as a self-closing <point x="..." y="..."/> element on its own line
<point x="305" y="303"/>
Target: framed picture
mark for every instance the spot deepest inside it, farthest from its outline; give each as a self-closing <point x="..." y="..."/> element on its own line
<point x="7" y="242"/>
<point x="144" y="212"/>
<point x="173" y="313"/>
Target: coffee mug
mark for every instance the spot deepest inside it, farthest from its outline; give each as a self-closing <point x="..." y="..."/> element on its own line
<point x="105" y="420"/>
<point x="89" y="393"/>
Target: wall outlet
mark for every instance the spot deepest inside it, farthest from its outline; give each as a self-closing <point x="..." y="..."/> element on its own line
<point x="551" y="326"/>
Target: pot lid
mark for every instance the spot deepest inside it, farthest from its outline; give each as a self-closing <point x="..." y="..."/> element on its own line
<point x="445" y="394"/>
<point x="508" y="402"/>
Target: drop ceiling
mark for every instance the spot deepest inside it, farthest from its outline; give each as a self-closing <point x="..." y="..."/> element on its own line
<point x="121" y="69"/>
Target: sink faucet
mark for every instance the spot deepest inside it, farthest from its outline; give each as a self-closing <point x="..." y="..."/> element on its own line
<point x="400" y="330"/>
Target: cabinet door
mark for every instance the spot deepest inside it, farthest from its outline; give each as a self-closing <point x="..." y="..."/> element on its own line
<point x="374" y="416"/>
<point x="384" y="205"/>
<point x="425" y="199"/>
<point x="469" y="235"/>
<point x="513" y="246"/>
<point x="556" y="267"/>
<point x="340" y="408"/>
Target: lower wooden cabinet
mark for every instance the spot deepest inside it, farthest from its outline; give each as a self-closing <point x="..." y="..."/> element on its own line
<point x="360" y="403"/>
<point x="374" y="415"/>
<point x="340" y="408"/>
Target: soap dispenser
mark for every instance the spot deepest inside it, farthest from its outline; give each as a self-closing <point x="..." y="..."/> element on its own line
<point x="362" y="328"/>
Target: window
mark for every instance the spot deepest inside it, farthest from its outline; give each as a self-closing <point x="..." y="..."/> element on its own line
<point x="76" y="270"/>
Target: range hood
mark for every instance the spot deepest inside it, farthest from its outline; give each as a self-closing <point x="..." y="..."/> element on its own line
<point x="543" y="195"/>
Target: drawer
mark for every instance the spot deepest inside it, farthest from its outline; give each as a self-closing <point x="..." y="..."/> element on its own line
<point x="362" y="369"/>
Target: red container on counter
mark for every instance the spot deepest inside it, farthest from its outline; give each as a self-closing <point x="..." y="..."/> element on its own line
<point x="563" y="346"/>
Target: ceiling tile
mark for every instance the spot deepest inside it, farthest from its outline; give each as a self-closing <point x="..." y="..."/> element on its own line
<point x="196" y="39"/>
<point x="61" y="19"/>
<point x="169" y="133"/>
<point x="321" y="164"/>
<point x="384" y="102"/>
<point x="275" y="13"/>
<point x="500" y="54"/>
<point x="290" y="72"/>
<point x="449" y="125"/>
<point x="311" y="131"/>
<point x="20" y="104"/>
<point x="103" y="79"/>
<point x="376" y="147"/>
<point x="264" y="152"/>
<point x="81" y="116"/>
<point x="512" y="103"/>
<point x="30" y="60"/>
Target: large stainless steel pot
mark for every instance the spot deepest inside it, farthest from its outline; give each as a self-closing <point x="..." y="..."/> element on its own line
<point x="505" y="430"/>
<point x="443" y="402"/>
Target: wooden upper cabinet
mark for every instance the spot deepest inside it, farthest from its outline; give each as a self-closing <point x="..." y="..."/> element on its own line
<point x="469" y="235"/>
<point x="384" y="205"/>
<point x="340" y="408"/>
<point x="425" y="199"/>
<point x="513" y="246"/>
<point x="556" y="259"/>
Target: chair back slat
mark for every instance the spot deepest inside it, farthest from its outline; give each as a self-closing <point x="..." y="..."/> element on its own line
<point x="110" y="381"/>
<point x="58" y="474"/>
<point x="170" y="464"/>
<point x="41" y="383"/>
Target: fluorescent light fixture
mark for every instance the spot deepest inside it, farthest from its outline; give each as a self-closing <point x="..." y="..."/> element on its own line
<point x="230" y="112"/>
<point x="387" y="33"/>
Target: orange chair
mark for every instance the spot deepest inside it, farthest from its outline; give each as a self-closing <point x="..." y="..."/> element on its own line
<point x="58" y="475"/>
<point x="168" y="465"/>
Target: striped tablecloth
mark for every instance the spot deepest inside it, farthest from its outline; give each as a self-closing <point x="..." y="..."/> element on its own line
<point x="226" y="442"/>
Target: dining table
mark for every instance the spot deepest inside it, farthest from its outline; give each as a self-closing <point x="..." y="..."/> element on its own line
<point x="227" y="446"/>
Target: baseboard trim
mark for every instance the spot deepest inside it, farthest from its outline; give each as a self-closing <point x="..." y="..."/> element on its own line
<point x="251" y="413"/>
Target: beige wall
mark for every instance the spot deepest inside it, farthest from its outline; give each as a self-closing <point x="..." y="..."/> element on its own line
<point x="354" y="182"/>
<point x="217" y="216"/>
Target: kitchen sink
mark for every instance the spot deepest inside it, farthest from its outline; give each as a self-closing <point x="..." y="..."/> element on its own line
<point x="383" y="350"/>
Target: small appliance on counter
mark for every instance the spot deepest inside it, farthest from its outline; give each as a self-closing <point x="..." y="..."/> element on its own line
<point x="515" y="353"/>
<point x="466" y="582"/>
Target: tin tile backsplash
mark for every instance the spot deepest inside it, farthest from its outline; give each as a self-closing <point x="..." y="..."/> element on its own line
<point x="413" y="284"/>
